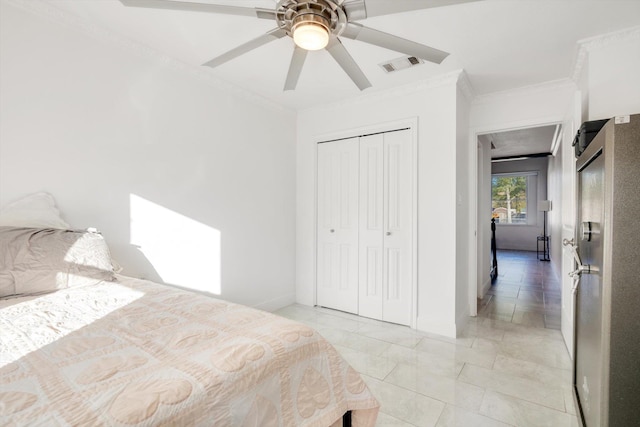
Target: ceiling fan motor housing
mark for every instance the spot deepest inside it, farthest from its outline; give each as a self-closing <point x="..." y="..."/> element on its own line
<point x="310" y="16"/>
<point x="291" y="14"/>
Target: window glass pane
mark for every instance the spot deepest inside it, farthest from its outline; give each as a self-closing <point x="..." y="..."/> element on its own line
<point x="509" y="199"/>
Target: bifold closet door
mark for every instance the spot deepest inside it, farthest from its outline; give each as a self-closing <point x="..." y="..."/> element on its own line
<point x="371" y="240"/>
<point x="337" y="233"/>
<point x="385" y="227"/>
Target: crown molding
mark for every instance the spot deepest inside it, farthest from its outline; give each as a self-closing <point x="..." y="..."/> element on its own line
<point x="552" y="85"/>
<point x="48" y="11"/>
<point x="578" y="64"/>
<point x="450" y="78"/>
<point x="585" y="46"/>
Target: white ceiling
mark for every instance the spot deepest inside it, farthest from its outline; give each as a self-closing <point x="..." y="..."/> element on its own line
<point x="501" y="44"/>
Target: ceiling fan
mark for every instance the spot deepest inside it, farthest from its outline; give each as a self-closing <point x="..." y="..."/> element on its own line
<point x="315" y="25"/>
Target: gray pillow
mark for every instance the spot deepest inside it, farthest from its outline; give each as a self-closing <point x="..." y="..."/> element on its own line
<point x="36" y="260"/>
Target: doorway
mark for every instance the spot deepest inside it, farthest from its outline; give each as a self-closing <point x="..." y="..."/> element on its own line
<point x="512" y="191"/>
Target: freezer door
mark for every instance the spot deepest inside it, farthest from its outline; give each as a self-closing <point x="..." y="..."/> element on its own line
<point x="588" y="321"/>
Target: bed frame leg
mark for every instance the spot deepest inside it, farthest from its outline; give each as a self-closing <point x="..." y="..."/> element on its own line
<point x="346" y="419"/>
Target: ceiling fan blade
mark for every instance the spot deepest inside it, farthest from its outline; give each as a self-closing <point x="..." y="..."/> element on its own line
<point x="297" y="61"/>
<point x="202" y="7"/>
<point x="386" y="7"/>
<point x="246" y="47"/>
<point x="342" y="57"/>
<point x="389" y="41"/>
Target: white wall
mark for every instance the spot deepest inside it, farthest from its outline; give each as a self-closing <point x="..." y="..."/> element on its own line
<point x="521" y="108"/>
<point x="98" y="125"/>
<point x="523" y="237"/>
<point x="435" y="107"/>
<point x="582" y="81"/>
<point x="465" y="219"/>
<point x="613" y="70"/>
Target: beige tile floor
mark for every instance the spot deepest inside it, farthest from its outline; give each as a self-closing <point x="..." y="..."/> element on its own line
<point x="499" y="372"/>
<point x="526" y="292"/>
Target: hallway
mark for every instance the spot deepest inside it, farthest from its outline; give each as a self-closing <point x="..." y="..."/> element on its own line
<point x="526" y="292"/>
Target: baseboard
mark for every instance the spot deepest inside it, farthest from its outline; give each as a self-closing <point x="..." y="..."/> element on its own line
<point x="444" y="329"/>
<point x="485" y="288"/>
<point x="276" y="303"/>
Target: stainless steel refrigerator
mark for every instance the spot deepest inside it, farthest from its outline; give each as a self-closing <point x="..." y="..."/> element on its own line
<point x="606" y="382"/>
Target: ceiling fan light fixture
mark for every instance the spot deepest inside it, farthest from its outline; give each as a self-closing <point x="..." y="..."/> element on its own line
<point x="311" y="32"/>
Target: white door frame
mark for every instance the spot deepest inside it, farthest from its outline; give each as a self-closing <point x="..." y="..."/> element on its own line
<point x="412" y="124"/>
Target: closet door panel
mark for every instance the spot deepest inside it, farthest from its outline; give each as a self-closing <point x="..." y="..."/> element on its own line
<point x="371" y="226"/>
<point x="337" y="233"/>
<point x="397" y="262"/>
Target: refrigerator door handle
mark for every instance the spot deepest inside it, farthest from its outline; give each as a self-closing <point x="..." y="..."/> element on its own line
<point x="582" y="268"/>
<point x="576" y="283"/>
<point x="574" y="251"/>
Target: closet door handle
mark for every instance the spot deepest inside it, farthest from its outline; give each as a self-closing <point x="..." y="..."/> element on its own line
<point x="388" y="233"/>
<point x="332" y="231"/>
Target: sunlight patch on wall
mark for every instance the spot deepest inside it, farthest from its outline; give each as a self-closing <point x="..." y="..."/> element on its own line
<point x="184" y="252"/>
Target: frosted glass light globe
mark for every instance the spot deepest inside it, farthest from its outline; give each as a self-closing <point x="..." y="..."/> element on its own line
<point x="311" y="36"/>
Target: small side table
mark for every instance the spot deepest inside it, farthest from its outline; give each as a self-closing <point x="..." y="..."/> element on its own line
<point x="544" y="240"/>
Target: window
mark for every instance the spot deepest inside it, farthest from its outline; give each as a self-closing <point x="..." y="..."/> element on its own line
<point x="510" y="197"/>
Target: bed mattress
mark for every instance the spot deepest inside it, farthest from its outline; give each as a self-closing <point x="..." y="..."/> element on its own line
<point x="134" y="353"/>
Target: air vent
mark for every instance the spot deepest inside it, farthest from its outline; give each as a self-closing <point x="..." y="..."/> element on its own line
<point x="401" y="63"/>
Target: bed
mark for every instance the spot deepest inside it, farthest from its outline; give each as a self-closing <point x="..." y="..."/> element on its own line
<point x="83" y="345"/>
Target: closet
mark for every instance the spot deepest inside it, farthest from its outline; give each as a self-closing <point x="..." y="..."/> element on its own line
<point x="365" y="216"/>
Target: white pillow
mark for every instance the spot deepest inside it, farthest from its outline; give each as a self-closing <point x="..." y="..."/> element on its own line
<point x="34" y="211"/>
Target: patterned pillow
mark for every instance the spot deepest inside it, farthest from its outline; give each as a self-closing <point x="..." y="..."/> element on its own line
<point x="36" y="260"/>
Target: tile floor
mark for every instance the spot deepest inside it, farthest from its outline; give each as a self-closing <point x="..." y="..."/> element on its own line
<point x="526" y="292"/>
<point x="504" y="370"/>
